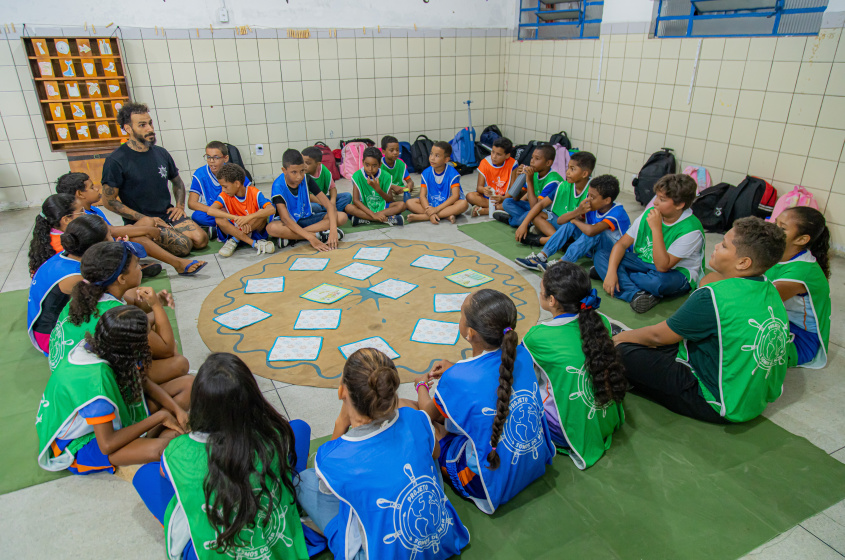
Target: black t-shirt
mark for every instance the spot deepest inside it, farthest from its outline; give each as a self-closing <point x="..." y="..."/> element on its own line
<point x="52" y="307"/>
<point x="141" y="178"/>
<point x="313" y="188"/>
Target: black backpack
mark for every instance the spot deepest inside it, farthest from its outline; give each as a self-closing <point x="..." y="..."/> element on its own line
<point x="522" y="153"/>
<point x="659" y="164"/>
<point x="562" y="139"/>
<point x="235" y="157"/>
<point x="420" y="149"/>
<point x="709" y="207"/>
<point x="489" y="135"/>
<point x="720" y="206"/>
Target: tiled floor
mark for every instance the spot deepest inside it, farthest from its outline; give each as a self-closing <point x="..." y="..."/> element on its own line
<point x="72" y="512"/>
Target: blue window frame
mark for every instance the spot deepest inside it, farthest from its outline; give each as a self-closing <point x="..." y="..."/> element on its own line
<point x="556" y="19"/>
<point x="737" y="18"/>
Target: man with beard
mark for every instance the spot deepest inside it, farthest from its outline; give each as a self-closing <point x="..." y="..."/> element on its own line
<point x="138" y="172"/>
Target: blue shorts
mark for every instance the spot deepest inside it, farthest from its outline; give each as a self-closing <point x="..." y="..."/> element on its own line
<point x="89" y="459"/>
<point x="453" y="463"/>
<point x="806" y="343"/>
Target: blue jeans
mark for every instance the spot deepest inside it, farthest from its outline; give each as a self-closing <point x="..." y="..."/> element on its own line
<point x="321" y="508"/>
<point x="341" y="201"/>
<point x="635" y="275"/>
<point x="517" y="209"/>
<point x="312" y="219"/>
<point x="582" y="246"/>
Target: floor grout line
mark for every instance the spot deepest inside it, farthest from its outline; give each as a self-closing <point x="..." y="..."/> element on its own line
<point x="819" y="538"/>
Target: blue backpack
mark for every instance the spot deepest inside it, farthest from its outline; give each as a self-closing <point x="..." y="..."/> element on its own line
<point x="405" y="155"/>
<point x="463" y="147"/>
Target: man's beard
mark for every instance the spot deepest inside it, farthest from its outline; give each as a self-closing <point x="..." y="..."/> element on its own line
<point x="148" y="143"/>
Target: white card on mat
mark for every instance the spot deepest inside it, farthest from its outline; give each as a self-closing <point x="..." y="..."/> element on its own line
<point x="290" y="348"/>
<point x="432" y="262"/>
<point x="392" y="288"/>
<point x="469" y="278"/>
<point x="326" y="293"/>
<point x="265" y="285"/>
<point x="241" y="317"/>
<point x="358" y="271"/>
<point x="314" y="319"/>
<point x="446" y="303"/>
<point x="435" y="332"/>
<point x="309" y="264"/>
<point x="376" y="342"/>
<point x="372" y="253"/>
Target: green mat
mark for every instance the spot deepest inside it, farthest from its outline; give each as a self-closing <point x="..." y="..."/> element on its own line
<point x="23" y="376"/>
<point x="669" y="487"/>
<point x="210" y="249"/>
<point x="500" y="238"/>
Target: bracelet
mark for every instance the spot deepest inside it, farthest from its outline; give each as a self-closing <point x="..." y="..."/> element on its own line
<point x="419" y="384"/>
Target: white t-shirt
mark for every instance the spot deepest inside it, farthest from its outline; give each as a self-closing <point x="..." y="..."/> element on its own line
<point x="688" y="248"/>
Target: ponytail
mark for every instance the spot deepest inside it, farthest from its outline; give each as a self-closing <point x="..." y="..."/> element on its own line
<point x="99" y="263"/>
<point x="83" y="233"/>
<point x="55" y="208"/>
<point x="812" y="222"/>
<point x="372" y="381"/>
<point x="493" y="316"/>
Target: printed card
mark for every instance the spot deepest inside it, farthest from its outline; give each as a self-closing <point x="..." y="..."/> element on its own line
<point x="326" y="293"/>
<point x="469" y="278"/>
<point x="241" y="317"/>
<point x="358" y="271"/>
<point x="309" y="264"/>
<point x="372" y="253"/>
<point x="432" y="262"/>
<point x="293" y="348"/>
<point x="317" y="319"/>
<point x="447" y="303"/>
<point x="435" y="332"/>
<point x="265" y="285"/>
<point x="376" y="342"/>
<point x="393" y="288"/>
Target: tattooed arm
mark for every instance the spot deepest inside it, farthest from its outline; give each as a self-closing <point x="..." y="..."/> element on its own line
<point x="111" y="202"/>
<point x="177" y="211"/>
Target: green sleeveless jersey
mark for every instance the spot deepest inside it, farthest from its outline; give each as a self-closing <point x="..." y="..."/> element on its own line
<point x="278" y="538"/>
<point x="397" y="173"/>
<point x="690" y="266"/>
<point x="567" y="390"/>
<point x="540" y="184"/>
<point x="78" y="380"/>
<point x="566" y="199"/>
<point x="369" y="196"/>
<point x="753" y="334"/>
<point x="805" y="270"/>
<point x="324" y="179"/>
<point x="66" y="335"/>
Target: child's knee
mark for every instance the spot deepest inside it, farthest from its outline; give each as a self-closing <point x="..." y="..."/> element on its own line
<point x="341" y="218"/>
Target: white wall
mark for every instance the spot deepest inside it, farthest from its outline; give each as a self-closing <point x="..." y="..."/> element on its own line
<point x="267" y="13"/>
<point x="629" y="11"/>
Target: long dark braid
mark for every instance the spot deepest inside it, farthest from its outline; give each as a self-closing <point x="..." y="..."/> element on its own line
<point x="493" y="316"/>
<point x="812" y="222"/>
<point x="55" y="208"/>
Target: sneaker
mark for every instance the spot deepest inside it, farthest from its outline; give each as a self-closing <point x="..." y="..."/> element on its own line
<point x="396" y="220"/>
<point x="264" y="246"/>
<point x="532" y="239"/>
<point x="594" y="274"/>
<point x="228" y="248"/>
<point x="324" y="235"/>
<point x="534" y="230"/>
<point x="287" y="242"/>
<point x="501" y="216"/>
<point x="356" y="221"/>
<point x="532" y="262"/>
<point x="643" y="301"/>
<point x="615" y="329"/>
<point x="150" y="270"/>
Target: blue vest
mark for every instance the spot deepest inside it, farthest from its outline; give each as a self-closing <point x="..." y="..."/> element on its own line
<point x="94" y="211"/>
<point x="390" y="481"/>
<point x="57" y="268"/>
<point x="467" y="394"/>
<point x="298" y="206"/>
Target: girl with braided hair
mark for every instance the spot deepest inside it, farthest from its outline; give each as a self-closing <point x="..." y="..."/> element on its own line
<point x="582" y="380"/>
<point x="496" y="439"/>
<point x="57" y="212"/>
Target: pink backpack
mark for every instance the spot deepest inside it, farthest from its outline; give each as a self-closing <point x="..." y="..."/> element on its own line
<point x="352" y="155"/>
<point x="799" y="196"/>
<point x="561" y="161"/>
<point x="701" y="176"/>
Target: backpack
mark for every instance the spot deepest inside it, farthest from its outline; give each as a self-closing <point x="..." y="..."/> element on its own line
<point x="338" y="156"/>
<point x="352" y="157"/>
<point x="708" y="207"/>
<point x="463" y="148"/>
<point x="490" y="135"/>
<point x="700" y="175"/>
<point x="752" y="197"/>
<point x="328" y="160"/>
<point x="420" y="150"/>
<point x="522" y="154"/>
<point x="561" y="161"/>
<point x="659" y="164"/>
<point x="798" y="196"/>
<point x="405" y="155"/>
<point x="562" y="139"/>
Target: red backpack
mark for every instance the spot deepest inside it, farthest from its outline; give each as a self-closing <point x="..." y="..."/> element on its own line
<point x="328" y="160"/>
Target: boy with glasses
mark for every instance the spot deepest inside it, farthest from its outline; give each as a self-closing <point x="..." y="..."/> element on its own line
<point x="205" y="188"/>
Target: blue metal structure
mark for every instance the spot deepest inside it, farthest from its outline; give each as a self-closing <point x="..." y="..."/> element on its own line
<point x="560" y="19"/>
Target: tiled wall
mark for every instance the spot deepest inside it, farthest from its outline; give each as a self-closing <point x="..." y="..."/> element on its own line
<point x="770" y="107"/>
<point x="264" y="88"/>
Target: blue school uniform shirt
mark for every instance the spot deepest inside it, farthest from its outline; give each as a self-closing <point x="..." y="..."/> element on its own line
<point x="205" y="184"/>
<point x="94" y="211"/>
<point x="616" y="218"/>
<point x="439" y="186"/>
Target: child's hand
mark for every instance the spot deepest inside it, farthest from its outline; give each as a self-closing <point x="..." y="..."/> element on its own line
<point x="488" y="192"/>
<point x="438" y="369"/>
<point x="182" y="418"/>
<point x="655" y="219"/>
<point x="380" y="216"/>
<point x="319" y="245"/>
<point x="429" y="211"/>
<point x="148" y="296"/>
<point x="521" y="232"/>
<point x="332" y="243"/>
<point x="396" y="190"/>
<point x="409" y="183"/>
<point x="160" y="223"/>
<point x="246" y="228"/>
<point x="241" y="221"/>
<point x="528" y="170"/>
<point x="373" y="182"/>
<point x="170" y="422"/>
<point x="434" y="219"/>
<point x="611" y="283"/>
<point x="585" y="206"/>
<point x="166" y="299"/>
<point x="520" y="169"/>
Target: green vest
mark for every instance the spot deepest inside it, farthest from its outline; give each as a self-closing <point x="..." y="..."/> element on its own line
<point x="369" y="196"/>
<point x="397" y="174"/>
<point x="690" y="267"/>
<point x="753" y="337"/>
<point x="186" y="462"/>
<point x="556" y="348"/>
<point x="566" y="200"/>
<point x="78" y="380"/>
<point x="324" y="179"/>
<point x="66" y="335"/>
<point x="540" y="184"/>
<point x="807" y="272"/>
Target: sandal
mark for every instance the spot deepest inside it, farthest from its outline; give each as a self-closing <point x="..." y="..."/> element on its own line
<point x="190" y="264"/>
<point x="476" y="212"/>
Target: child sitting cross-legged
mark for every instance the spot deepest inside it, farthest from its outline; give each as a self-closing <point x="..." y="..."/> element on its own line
<point x="241" y="212"/>
<point x="440" y="193"/>
<point x="313" y="158"/>
<point x="495" y="176"/>
<point x="722" y="356"/>
<point x="402" y="186"/>
<point x="668" y="249"/>
<point x="372" y="200"/>
<point x="603" y="225"/>
<point x="205" y="188"/>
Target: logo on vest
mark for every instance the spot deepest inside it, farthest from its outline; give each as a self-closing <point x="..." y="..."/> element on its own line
<point x="44" y="404"/>
<point x="769" y="346"/>
<point x="58" y="343"/>
<point x="420" y="517"/>
<point x="250" y="545"/>
<point x="585" y="391"/>
<point x="647" y="251"/>
<point x="523" y="432"/>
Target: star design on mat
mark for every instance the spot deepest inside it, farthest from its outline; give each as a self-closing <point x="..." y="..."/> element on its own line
<point x="365" y="294"/>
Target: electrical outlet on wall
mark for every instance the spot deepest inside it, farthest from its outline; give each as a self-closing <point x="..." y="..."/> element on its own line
<point x="223" y="15"/>
<point x="259" y="149"/>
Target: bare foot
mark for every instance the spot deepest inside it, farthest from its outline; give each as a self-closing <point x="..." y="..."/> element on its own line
<point x="417" y="218"/>
<point x="452" y="219"/>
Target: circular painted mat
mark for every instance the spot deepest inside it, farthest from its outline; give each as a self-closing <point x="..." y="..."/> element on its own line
<point x="302" y="341"/>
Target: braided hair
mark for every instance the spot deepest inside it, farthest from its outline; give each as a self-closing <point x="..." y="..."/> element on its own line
<point x="493" y="316"/>
<point x="98" y="264"/>
<point x="812" y="222"/>
<point x="121" y="339"/>
<point x="55" y="207"/>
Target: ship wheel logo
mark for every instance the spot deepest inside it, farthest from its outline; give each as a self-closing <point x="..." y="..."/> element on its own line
<point x="58" y="343"/>
<point x="260" y="548"/>
<point x="585" y="391"/>
<point x="769" y="346"/>
<point x="420" y="517"/>
<point x="523" y="433"/>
